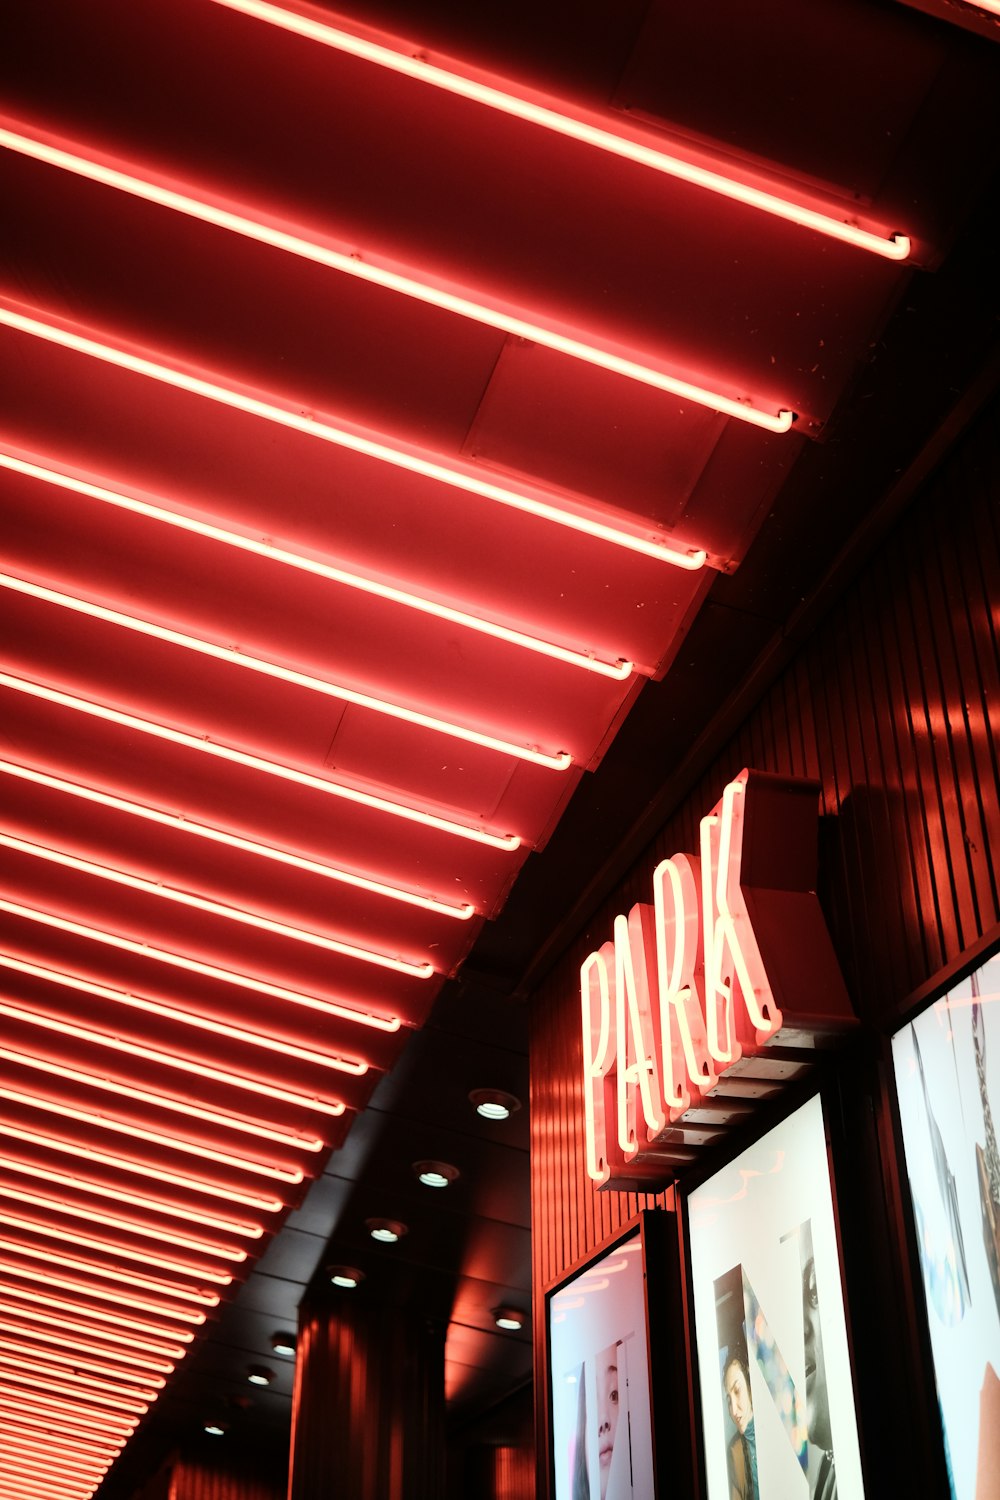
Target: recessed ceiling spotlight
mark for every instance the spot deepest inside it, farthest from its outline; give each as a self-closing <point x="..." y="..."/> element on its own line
<point x="494" y="1104"/>
<point x="508" y="1317"/>
<point x="436" y="1174"/>
<point x="346" y="1276"/>
<point x="284" y="1343"/>
<point x="386" y="1231"/>
<point x="260" y="1375"/>
<point x="214" y="1429"/>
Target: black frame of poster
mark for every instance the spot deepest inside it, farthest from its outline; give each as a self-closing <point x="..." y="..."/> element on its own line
<point x="664" y="1310"/>
<point x="851" y="1221"/>
<point x="917" y="1347"/>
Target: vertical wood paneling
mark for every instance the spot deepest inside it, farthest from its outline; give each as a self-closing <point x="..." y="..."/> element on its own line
<point x="500" y="1473"/>
<point x="976" y="591"/>
<point x="952" y="743"/>
<point x="192" y="1480"/>
<point x="929" y="639"/>
<point x="368" y="1405"/>
<point x="513" y="1474"/>
<point x="895" y="858"/>
<point x="870" y="818"/>
<point x="839" y="776"/>
<point x="893" y="707"/>
<point x="871" y="814"/>
<point x="925" y="814"/>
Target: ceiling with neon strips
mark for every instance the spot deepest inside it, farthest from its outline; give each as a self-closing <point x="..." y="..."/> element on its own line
<point x="394" y="412"/>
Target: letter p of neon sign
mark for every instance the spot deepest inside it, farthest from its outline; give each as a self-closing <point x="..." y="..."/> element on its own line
<point x="682" y="991"/>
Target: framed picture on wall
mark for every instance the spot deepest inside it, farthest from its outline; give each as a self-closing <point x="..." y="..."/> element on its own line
<point x="947" y="1069"/>
<point x="774" y="1382"/>
<point x="599" y="1387"/>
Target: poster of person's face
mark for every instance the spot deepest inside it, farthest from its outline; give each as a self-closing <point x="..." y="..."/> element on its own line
<point x="777" y="1398"/>
<point x="599" y="1379"/>
<point x="947" y="1066"/>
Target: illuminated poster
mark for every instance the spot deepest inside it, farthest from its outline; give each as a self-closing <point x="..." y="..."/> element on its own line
<point x="947" y="1065"/>
<point x="599" y="1381"/>
<point x="777" y="1399"/>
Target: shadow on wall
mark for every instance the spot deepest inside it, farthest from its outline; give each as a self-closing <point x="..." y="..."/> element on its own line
<point x="493" y="1458"/>
<point x="878" y="855"/>
<point x="213" y="1478"/>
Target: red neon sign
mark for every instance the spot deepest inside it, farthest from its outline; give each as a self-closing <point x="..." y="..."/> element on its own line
<point x="704" y="974"/>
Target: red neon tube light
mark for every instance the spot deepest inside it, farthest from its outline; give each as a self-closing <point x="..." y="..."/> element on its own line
<point x="19" y="1321"/>
<point x="33" y="1444"/>
<point x="101" y="1451"/>
<point x="503" y="841"/>
<point x="104" y="1447"/>
<point x="181" y="824"/>
<point x="153" y="1336"/>
<point x="67" y="1464"/>
<point x="26" y="1467"/>
<point x="410" y="461"/>
<point x="44" y="1430"/>
<point x="49" y="1460"/>
<point x="77" y="1414"/>
<point x="54" y="1433"/>
<point x="36" y="1425"/>
<point x="115" y="1247"/>
<point x="227" y="976"/>
<point x="37" y="1378"/>
<point x="50" y="1363"/>
<point x="163" y="1101"/>
<point x="619" y="670"/>
<point x="895" y="247"/>
<point x="105" y="1294"/>
<point x="215" y="908"/>
<point x="34" y="1429"/>
<point x="133" y="1048"/>
<point x="62" y="1143"/>
<point x="53" y="1441"/>
<point x="18" y="1484"/>
<point x="24" y="1485"/>
<point x="367" y="268"/>
<point x="232" y="656"/>
<point x="178" y="1292"/>
<point x="111" y="1431"/>
<point x="154" y="1137"/>
<point x="67" y="1459"/>
<point x="140" y="1002"/>
<point x="65" y="1480"/>
<point x="131" y="1226"/>
<point x="50" y="1175"/>
<point x="19" y="1458"/>
<point x="35" y="1454"/>
<point x="27" y="1437"/>
<point x="26" y="1489"/>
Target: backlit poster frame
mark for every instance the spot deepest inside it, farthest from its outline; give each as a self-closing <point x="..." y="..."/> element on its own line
<point x="599" y="1386"/>
<point x="946" y="1068"/>
<point x="772" y="1368"/>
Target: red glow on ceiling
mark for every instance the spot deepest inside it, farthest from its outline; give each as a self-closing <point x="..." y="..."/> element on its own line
<point x="60" y="1313"/>
<point x="507" y="98"/>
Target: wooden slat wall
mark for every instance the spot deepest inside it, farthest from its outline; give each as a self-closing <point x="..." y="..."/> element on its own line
<point x="198" y="1481"/>
<point x="501" y="1473"/>
<point x="368" y="1404"/>
<point x="894" y="707"/>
